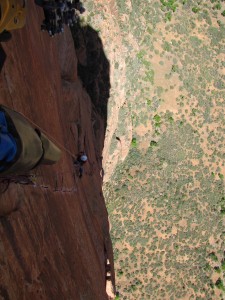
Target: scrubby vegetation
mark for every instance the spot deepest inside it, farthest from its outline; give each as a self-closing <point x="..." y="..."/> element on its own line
<point x="166" y="200"/>
<point x="161" y="207"/>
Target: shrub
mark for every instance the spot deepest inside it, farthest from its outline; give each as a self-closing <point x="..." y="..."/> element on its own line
<point x="157" y="118"/>
<point x="195" y="9"/>
<point x="219" y="284"/>
<point x="168" y="16"/>
<point x="223" y="265"/>
<point x="153" y="143"/>
<point x="217" y="6"/>
<point x="134" y="142"/>
<point x="149" y="76"/>
<point x="149" y="102"/>
<point x="213" y="256"/>
<point x="220" y="176"/>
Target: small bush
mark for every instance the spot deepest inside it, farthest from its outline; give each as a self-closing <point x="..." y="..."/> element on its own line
<point x="213" y="256"/>
<point x="153" y="144"/>
<point x="134" y="143"/>
<point x="157" y="118"/>
<point x="220" y="176"/>
<point x="219" y="284"/>
<point x="168" y="16"/>
<point x="217" y="6"/>
<point x="149" y="102"/>
<point x="222" y="210"/>
<point x="195" y="9"/>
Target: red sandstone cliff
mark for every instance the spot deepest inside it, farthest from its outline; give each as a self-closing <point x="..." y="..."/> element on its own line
<point x="55" y="242"/>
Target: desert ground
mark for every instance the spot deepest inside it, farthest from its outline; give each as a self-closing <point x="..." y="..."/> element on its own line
<point x="164" y="149"/>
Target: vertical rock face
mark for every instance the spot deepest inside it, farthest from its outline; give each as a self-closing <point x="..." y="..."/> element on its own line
<point x="54" y="235"/>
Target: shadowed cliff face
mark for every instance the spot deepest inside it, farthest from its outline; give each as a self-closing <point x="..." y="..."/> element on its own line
<point x="54" y="236"/>
<point x="93" y="70"/>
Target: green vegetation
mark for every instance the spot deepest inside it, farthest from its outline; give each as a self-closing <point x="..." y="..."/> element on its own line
<point x="213" y="256"/>
<point x="149" y="76"/>
<point x="157" y="118"/>
<point x="218" y="6"/>
<point x="166" y="199"/>
<point x="220" y="285"/>
<point x="134" y="142"/>
<point x="170" y="4"/>
<point x="149" y="102"/>
<point x="221" y="176"/>
<point x="169" y="7"/>
<point x="195" y="9"/>
<point x="153" y="143"/>
<point x="223" y="265"/>
<point x="168" y="16"/>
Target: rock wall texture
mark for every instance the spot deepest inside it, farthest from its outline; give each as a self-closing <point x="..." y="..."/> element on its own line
<point x="54" y="235"/>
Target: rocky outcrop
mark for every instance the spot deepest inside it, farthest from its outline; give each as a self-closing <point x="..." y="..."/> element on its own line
<point x="54" y="234"/>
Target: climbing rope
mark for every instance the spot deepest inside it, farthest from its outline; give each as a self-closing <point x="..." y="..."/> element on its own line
<point x="50" y="137"/>
<point x="31" y="179"/>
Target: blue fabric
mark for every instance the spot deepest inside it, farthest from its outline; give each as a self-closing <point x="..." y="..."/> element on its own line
<point x="8" y="147"/>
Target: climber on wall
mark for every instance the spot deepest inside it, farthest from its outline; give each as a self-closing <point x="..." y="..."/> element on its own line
<point x="81" y="160"/>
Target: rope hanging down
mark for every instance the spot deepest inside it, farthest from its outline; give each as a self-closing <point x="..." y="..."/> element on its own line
<point x="53" y="139"/>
